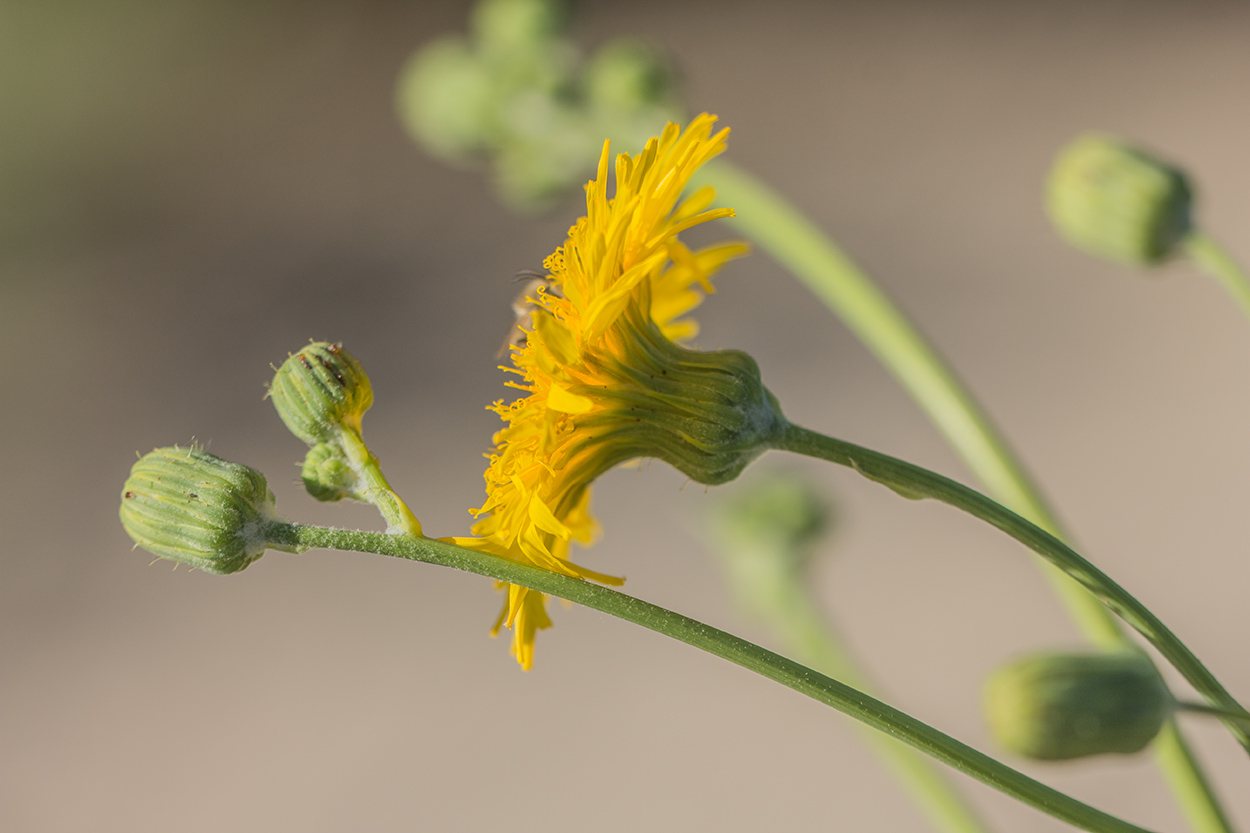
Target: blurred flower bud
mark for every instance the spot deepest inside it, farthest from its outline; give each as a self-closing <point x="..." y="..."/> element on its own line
<point x="191" y="507"/>
<point x="319" y="389"/>
<point x="327" y="475"/>
<point x="766" y="534"/>
<point x="626" y="75"/>
<point x="1116" y="201"/>
<point x="778" y="517"/>
<point x="447" y="100"/>
<point x="1063" y="706"/>
<point x="508" y="26"/>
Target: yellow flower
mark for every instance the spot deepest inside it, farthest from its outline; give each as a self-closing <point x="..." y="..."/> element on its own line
<point x="596" y="362"/>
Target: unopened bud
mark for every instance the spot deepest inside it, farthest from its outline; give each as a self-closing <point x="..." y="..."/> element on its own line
<point x="447" y="99"/>
<point x="502" y="26"/>
<point x="626" y="75"/>
<point x="1113" y="200"/>
<point x="191" y="507"/>
<point x="320" y="389"/>
<point x="326" y="474"/>
<point x="1063" y="706"/>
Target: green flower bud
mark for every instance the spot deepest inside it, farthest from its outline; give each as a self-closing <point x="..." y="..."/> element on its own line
<point x="1063" y="706"/>
<point x="447" y="99"/>
<point x="1113" y="200"/>
<point x="327" y="475"/>
<point x="505" y="26"/>
<point x="320" y="389"/>
<point x="191" y="507"/>
<point x="626" y="75"/>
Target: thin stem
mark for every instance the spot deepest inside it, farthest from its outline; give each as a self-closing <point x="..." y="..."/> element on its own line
<point x="719" y="643"/>
<point x="1223" y="714"/>
<point x="913" y="481"/>
<point x="1216" y="262"/>
<point x="377" y="491"/>
<point x="816" y="261"/>
<point x="783" y="600"/>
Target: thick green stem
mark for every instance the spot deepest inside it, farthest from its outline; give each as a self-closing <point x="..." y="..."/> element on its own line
<point x="816" y="261"/>
<point x="1216" y="262"/>
<point x="876" y="714"/>
<point x="915" y="482"/>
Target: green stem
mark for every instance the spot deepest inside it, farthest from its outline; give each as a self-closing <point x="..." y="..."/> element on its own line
<point x="817" y="262"/>
<point x="377" y="491"/>
<point x="738" y="651"/>
<point x="1223" y="714"/>
<point x="915" y="482"/>
<point x="1216" y="262"/>
<point x="785" y="603"/>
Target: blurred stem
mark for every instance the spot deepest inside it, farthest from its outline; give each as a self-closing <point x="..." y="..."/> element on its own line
<point x="1217" y="262"/>
<point x="815" y="260"/>
<point x="808" y="635"/>
<point x="915" y="482"/>
<point x="1223" y="714"/>
<point x="804" y="680"/>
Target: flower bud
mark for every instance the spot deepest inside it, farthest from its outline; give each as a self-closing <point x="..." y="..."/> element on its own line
<point x="1111" y="199"/>
<point x="191" y="507"/>
<point x="327" y="475"/>
<point x="626" y="75"/>
<point x="320" y="389"/>
<point x="447" y="99"/>
<point x="1063" y="706"/>
<point x="507" y="26"/>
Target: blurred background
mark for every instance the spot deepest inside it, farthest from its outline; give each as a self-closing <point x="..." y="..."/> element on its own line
<point x="190" y="191"/>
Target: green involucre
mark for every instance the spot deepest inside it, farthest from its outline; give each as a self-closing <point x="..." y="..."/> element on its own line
<point x="1063" y="706"/>
<point x="191" y="507"/>
<point x="1116" y="201"/>
<point x="319" y="390"/>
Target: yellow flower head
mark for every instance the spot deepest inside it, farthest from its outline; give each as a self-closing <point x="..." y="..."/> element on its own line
<point x="603" y="380"/>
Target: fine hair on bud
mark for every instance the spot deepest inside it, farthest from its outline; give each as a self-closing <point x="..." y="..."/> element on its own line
<point x="320" y="390"/>
<point x="1063" y="706"/>
<point x="189" y="506"/>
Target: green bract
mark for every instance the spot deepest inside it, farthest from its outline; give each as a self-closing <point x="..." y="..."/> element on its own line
<point x="1116" y="201"/>
<point x="319" y="390"/>
<point x="1063" y="706"/>
<point x="189" y="506"/>
<point x="706" y="414"/>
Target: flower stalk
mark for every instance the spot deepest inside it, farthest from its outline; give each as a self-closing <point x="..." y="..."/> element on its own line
<point x="791" y="674"/>
<point x="914" y="481"/>
<point x="780" y="229"/>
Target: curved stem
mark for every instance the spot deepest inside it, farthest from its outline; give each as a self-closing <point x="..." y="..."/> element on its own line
<point x="1220" y="265"/>
<point x="719" y="643"/>
<point x="816" y="261"/>
<point x="915" y="482"/>
<point x="782" y="598"/>
<point x="377" y="491"/>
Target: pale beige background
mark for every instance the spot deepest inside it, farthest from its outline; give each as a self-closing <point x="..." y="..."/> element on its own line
<point x="189" y="191"/>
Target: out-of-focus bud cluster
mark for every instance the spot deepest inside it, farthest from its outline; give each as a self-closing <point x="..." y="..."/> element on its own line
<point x="1116" y="201"/>
<point x="515" y="94"/>
<point x="1063" y="706"/>
<point x="191" y="507"/>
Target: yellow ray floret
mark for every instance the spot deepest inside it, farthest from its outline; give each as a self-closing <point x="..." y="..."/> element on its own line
<point x="622" y="277"/>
